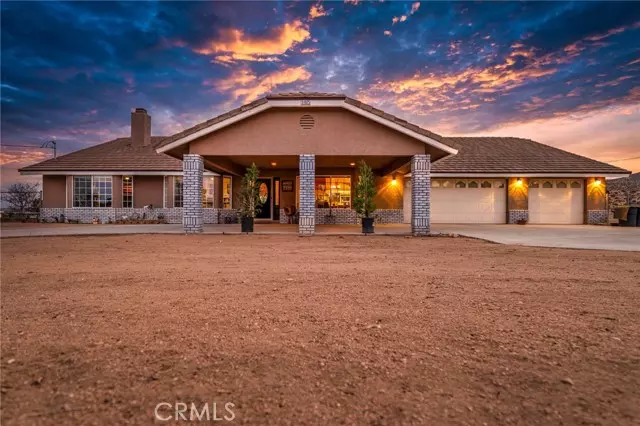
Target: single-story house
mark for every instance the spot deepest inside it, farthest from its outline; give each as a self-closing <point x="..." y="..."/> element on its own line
<point x="307" y="146"/>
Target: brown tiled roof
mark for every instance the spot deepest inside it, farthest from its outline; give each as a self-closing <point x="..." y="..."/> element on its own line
<point x="300" y="95"/>
<point x="515" y="155"/>
<point x="116" y="155"/>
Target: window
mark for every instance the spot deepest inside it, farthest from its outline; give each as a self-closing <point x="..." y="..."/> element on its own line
<point x="177" y="191"/>
<point x="547" y="184"/>
<point x="575" y="184"/>
<point x="226" y="192"/>
<point x="498" y="184"/>
<point x="473" y="184"/>
<point x="207" y="192"/>
<point x="333" y="191"/>
<point x="485" y="184"/>
<point x="447" y="184"/>
<point x="92" y="191"/>
<point x="461" y="184"/>
<point x="102" y="191"/>
<point x="82" y="191"/>
<point x="127" y="192"/>
<point x="534" y="184"/>
<point x="435" y="183"/>
<point x="562" y="184"/>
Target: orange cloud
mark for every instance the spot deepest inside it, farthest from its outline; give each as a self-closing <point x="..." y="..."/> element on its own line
<point x="414" y="8"/>
<point x="235" y="45"/>
<point x="424" y="94"/>
<point x="23" y="157"/>
<point x="309" y="50"/>
<point x="316" y="11"/>
<point x="245" y="85"/>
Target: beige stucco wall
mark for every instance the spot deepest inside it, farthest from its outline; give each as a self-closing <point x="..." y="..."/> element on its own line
<point x="117" y="191"/>
<point x="147" y="190"/>
<point x="336" y="132"/>
<point x="54" y="191"/>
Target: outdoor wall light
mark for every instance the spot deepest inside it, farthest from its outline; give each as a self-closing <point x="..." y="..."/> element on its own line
<point x="273" y="163"/>
<point x="394" y="181"/>
<point x="519" y="182"/>
<point x="352" y="164"/>
<point x="597" y="182"/>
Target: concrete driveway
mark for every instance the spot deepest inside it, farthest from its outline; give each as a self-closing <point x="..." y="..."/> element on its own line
<point x="565" y="236"/>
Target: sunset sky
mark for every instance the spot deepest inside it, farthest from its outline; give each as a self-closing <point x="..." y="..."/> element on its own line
<point x="565" y="74"/>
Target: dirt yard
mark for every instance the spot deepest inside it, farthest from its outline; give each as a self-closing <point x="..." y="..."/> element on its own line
<point x="323" y="330"/>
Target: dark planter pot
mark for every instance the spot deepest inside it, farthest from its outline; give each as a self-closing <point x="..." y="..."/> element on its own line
<point x="367" y="225"/>
<point x="246" y="224"/>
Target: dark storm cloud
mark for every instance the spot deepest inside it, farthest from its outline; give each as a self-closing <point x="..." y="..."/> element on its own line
<point x="75" y="69"/>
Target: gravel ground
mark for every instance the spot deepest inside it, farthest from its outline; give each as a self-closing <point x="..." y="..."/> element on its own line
<point x="322" y="330"/>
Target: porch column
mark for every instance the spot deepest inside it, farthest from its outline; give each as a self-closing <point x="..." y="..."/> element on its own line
<point x="192" y="193"/>
<point x="420" y="194"/>
<point x="307" y="213"/>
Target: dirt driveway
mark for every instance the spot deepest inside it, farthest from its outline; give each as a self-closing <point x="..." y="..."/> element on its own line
<point x="322" y="330"/>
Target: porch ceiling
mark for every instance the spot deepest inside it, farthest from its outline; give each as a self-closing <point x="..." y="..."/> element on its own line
<point x="385" y="164"/>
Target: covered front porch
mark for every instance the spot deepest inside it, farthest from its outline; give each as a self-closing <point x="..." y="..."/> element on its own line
<point x="307" y="191"/>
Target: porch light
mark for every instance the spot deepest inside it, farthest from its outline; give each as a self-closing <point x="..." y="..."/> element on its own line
<point x="273" y="163"/>
<point x="597" y="182"/>
<point x="393" y="181"/>
<point x="519" y="182"/>
<point x="352" y="164"/>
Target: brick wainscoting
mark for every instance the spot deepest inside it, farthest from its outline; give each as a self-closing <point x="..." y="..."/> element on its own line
<point x="337" y="217"/>
<point x="104" y="215"/>
<point x="349" y="217"/>
<point x="595" y="217"/>
<point x="516" y="215"/>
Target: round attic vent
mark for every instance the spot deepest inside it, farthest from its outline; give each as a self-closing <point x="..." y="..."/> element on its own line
<point x="307" y="122"/>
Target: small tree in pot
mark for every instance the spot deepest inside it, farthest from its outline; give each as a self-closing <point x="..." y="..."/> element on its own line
<point x="250" y="204"/>
<point x="363" y="201"/>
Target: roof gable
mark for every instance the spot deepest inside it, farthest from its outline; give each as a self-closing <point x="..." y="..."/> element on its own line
<point x="304" y="100"/>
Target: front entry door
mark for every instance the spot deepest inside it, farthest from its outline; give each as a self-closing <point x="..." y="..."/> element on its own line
<point x="264" y="190"/>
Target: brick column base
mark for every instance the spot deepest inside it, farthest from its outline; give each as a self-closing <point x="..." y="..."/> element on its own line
<point x="420" y="194"/>
<point x="595" y="217"/>
<point x="192" y="214"/>
<point x="307" y="215"/>
<point x="516" y="215"/>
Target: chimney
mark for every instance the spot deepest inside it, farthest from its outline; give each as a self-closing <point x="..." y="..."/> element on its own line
<point x="140" y="127"/>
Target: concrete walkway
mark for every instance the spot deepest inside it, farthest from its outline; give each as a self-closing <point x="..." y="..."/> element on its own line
<point x="563" y="236"/>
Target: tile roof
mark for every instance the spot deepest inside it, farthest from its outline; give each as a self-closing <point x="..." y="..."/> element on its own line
<point x="475" y="154"/>
<point x="300" y="95"/>
<point x="116" y="155"/>
<point x="515" y="155"/>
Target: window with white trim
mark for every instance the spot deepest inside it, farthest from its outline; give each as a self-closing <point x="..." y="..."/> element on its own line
<point x="177" y="191"/>
<point x="92" y="191"/>
<point x="207" y="192"/>
<point x="127" y="192"/>
<point x="82" y="191"/>
<point x="102" y="191"/>
<point x="226" y="192"/>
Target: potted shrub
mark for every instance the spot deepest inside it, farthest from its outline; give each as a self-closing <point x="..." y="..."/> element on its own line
<point x="250" y="204"/>
<point x="363" y="200"/>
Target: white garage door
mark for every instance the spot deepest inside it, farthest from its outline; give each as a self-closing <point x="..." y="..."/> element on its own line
<point x="464" y="201"/>
<point x="556" y="201"/>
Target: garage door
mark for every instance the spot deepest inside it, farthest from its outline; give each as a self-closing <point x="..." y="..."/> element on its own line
<point x="556" y="201"/>
<point x="464" y="201"/>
